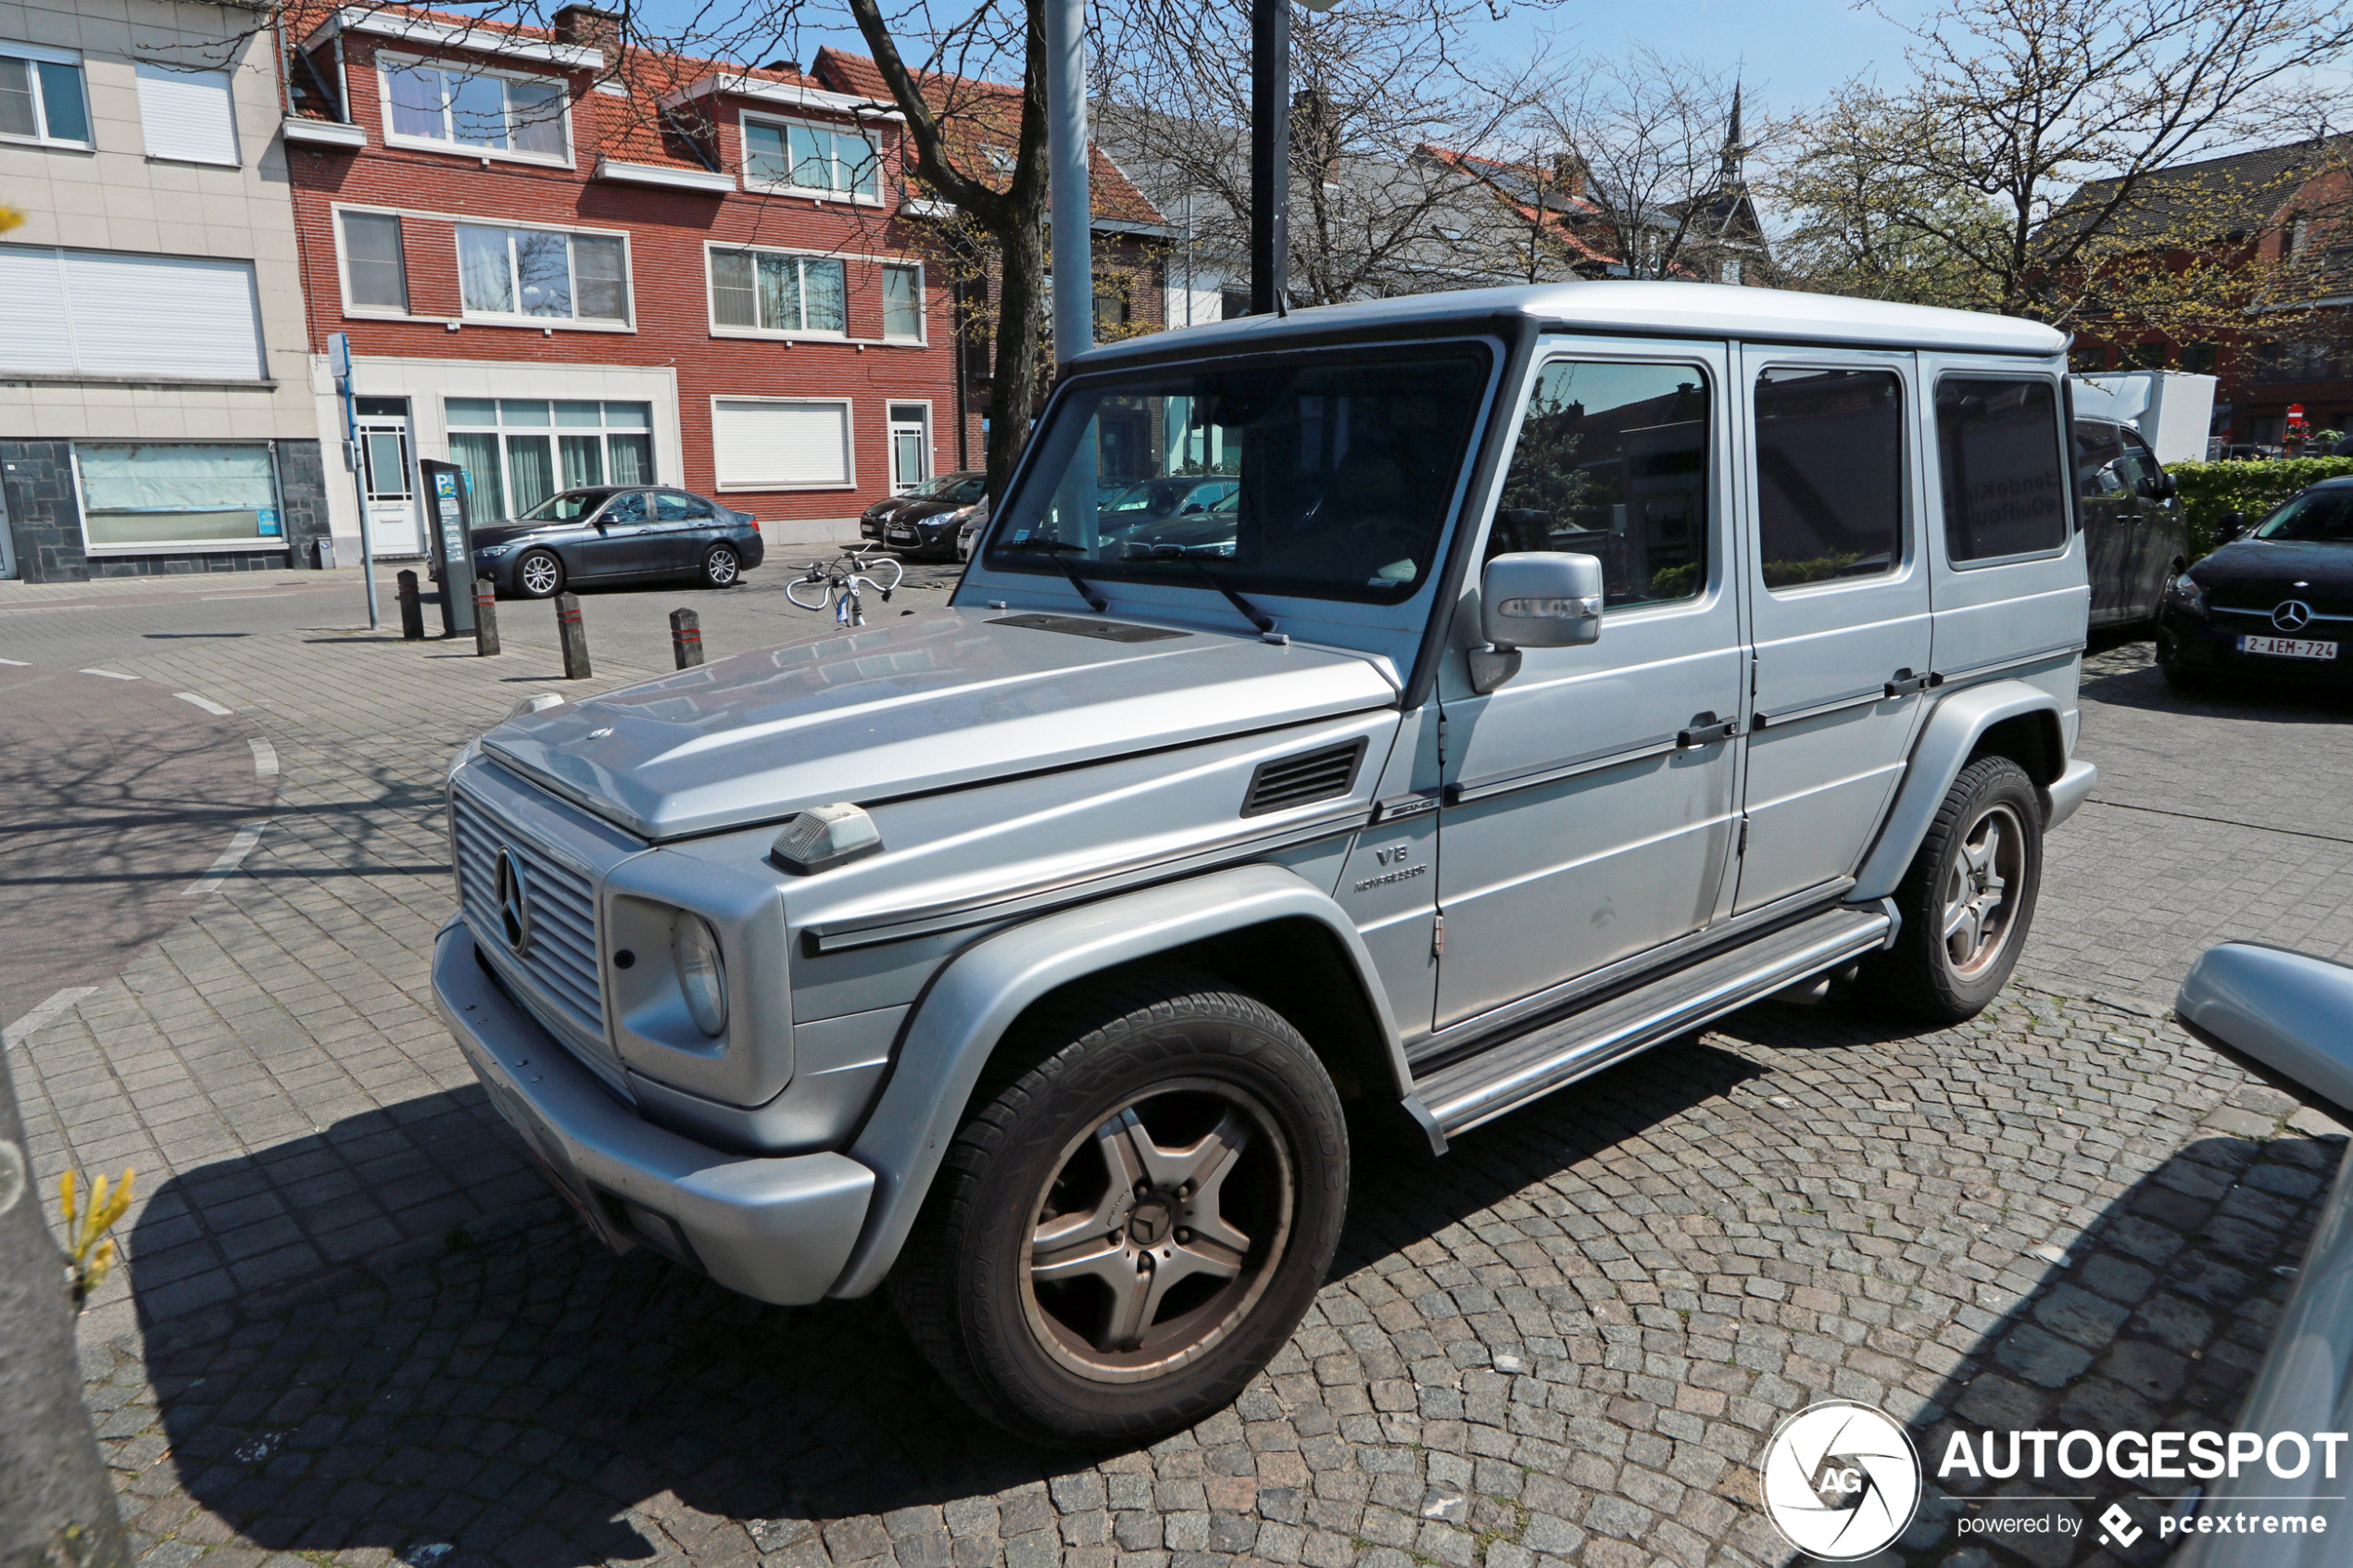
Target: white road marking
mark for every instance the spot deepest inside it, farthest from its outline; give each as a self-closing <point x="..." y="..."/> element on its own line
<point x="265" y="760"/>
<point x="109" y="674"/>
<point x="205" y="702"/>
<point x="15" y="661"/>
<point x="249" y="593"/>
<point x="26" y="1027"/>
<point x="230" y="858"/>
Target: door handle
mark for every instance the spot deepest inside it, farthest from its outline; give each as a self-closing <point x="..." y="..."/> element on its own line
<point x="1706" y="730"/>
<point x="1904" y="683"/>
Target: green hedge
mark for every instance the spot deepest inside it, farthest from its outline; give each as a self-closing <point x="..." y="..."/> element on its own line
<point x="2209" y="490"/>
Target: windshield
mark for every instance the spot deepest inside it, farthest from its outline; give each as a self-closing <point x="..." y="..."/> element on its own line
<point x="1327" y="476"/>
<point x="569" y="506"/>
<point x="2317" y="516"/>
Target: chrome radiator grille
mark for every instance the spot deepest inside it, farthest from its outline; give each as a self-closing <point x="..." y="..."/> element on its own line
<point x="560" y="959"/>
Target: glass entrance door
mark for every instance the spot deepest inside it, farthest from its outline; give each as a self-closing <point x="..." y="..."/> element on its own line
<point x="909" y="446"/>
<point x="387" y="467"/>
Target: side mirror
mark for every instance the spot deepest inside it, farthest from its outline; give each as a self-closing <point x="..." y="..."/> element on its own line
<point x="1540" y="599"/>
<point x="2286" y="1009"/>
<point x="2229" y="526"/>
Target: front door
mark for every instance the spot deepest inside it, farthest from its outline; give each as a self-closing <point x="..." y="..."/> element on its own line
<point x="1838" y="593"/>
<point x="1587" y="812"/>
<point x="909" y="446"/>
<point x="388" y="474"/>
<point x="622" y="540"/>
<point x="2105" y="498"/>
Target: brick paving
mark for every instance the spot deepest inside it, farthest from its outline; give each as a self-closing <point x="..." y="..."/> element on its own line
<point x="354" y="1328"/>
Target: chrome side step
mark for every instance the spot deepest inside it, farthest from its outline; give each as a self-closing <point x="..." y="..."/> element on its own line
<point x="1464" y="1094"/>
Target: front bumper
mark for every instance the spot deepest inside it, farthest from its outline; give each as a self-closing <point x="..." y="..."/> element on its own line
<point x="2208" y="646"/>
<point x="776" y="1229"/>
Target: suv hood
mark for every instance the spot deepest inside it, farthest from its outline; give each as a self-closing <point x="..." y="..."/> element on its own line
<point x="925" y="702"/>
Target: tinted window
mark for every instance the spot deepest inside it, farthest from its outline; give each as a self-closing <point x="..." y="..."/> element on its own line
<point x="1612" y="461"/>
<point x="670" y="506"/>
<point x="2142" y="471"/>
<point x="626" y="509"/>
<point x="1998" y="455"/>
<point x="2099" y="459"/>
<point x="2315" y="516"/>
<point x="1830" y="474"/>
<point x="1346" y="465"/>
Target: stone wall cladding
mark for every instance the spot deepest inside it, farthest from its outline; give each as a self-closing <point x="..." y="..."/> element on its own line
<point x="44" y="514"/>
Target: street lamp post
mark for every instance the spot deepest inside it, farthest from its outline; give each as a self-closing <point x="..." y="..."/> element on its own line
<point x="1269" y="155"/>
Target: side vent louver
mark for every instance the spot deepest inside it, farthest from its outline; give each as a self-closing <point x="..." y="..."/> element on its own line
<point x="1295" y="781"/>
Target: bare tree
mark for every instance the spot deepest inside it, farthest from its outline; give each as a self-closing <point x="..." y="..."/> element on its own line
<point x="2029" y="155"/>
<point x="1652" y="141"/>
<point x="1377" y="84"/>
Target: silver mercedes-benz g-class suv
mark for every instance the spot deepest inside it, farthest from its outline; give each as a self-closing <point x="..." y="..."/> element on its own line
<point x="1567" y="667"/>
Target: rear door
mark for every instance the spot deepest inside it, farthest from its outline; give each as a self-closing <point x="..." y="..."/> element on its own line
<point x="684" y="526"/>
<point x="2105" y="499"/>
<point x="1838" y="594"/>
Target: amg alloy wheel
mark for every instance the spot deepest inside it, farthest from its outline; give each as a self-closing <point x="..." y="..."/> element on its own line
<point x="1968" y="900"/>
<point x="1126" y="1230"/>
<point x="539" y="575"/>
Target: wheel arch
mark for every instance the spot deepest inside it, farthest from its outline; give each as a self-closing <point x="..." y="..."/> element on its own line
<point x="2013" y="719"/>
<point x="1260" y="925"/>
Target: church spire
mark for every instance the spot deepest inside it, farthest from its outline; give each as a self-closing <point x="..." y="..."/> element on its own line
<point x="1729" y="174"/>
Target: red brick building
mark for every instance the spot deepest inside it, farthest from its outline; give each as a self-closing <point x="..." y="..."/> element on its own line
<point x="560" y="261"/>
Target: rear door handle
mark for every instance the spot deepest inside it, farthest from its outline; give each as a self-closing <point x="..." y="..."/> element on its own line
<point x="1706" y="730"/>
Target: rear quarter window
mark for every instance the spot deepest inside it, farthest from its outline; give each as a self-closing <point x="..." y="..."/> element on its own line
<point x="1998" y="450"/>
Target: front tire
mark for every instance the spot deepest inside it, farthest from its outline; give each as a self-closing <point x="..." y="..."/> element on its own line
<point x="539" y="575"/>
<point x="722" y="567"/>
<point x="1124" y="1233"/>
<point x="1968" y="900"/>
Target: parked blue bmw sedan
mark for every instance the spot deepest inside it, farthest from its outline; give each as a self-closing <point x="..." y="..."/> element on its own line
<point x="617" y="534"/>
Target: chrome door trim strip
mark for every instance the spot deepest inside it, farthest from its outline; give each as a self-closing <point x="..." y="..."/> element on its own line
<point x="1464" y="792"/>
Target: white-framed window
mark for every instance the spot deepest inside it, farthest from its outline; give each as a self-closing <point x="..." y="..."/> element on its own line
<point x="519" y="451"/>
<point x="177" y="495"/>
<point x="782" y="442"/>
<point x="475" y="110"/>
<point x="777" y="292"/>
<point x="902" y="302"/>
<point x="375" y="272"/>
<point x="909" y="446"/>
<point x="41" y="96"/>
<point x="117" y="313"/>
<point x="543" y="275"/>
<point x="187" y="116"/>
<point x="817" y="160"/>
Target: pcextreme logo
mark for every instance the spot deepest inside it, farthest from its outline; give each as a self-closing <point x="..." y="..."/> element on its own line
<point x="1841" y="1480"/>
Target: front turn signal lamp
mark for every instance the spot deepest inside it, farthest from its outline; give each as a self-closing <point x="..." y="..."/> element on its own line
<point x="825" y="836"/>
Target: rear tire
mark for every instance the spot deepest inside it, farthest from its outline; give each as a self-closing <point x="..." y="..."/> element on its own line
<point x="1968" y="900"/>
<point x="1124" y="1235"/>
<point x="722" y="567"/>
<point x="539" y="575"/>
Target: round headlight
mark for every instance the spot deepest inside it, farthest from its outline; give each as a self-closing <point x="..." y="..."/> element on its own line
<point x="702" y="974"/>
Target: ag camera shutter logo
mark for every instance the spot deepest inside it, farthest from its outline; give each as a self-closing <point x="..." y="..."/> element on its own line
<point x="1841" y="1480"/>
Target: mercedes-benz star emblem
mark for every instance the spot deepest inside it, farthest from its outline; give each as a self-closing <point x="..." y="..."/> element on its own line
<point x="2291" y="615"/>
<point x="514" y="902"/>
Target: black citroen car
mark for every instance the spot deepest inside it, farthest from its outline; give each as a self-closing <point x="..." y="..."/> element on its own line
<point x="2275" y="601"/>
<point x="899" y="521"/>
<point x="616" y="534"/>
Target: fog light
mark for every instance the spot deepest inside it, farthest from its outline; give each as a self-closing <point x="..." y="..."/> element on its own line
<point x="826" y="836"/>
<point x="702" y="973"/>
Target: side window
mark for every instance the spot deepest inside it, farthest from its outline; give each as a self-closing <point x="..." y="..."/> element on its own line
<point x="1830" y="474"/>
<point x="2142" y="470"/>
<point x="670" y="506"/>
<point x="2099" y="458"/>
<point x="1612" y="461"/>
<point x="626" y="509"/>
<point x="1997" y="453"/>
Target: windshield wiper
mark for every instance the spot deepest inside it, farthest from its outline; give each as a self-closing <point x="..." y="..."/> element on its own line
<point x="1054" y="549"/>
<point x="1251" y="613"/>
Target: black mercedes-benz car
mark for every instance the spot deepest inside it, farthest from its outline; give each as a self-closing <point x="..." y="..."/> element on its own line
<point x="614" y="533"/>
<point x="2275" y="601"/>
<point x="896" y="520"/>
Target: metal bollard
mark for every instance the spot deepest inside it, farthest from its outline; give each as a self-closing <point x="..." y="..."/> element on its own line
<point x="574" y="636"/>
<point x="413" y="612"/>
<point x="485" y="617"/>
<point x="686" y="637"/>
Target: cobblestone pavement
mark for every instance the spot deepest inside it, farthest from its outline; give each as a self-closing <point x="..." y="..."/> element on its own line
<point x="354" y="1327"/>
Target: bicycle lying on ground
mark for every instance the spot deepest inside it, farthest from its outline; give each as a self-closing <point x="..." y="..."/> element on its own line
<point x="841" y="579"/>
